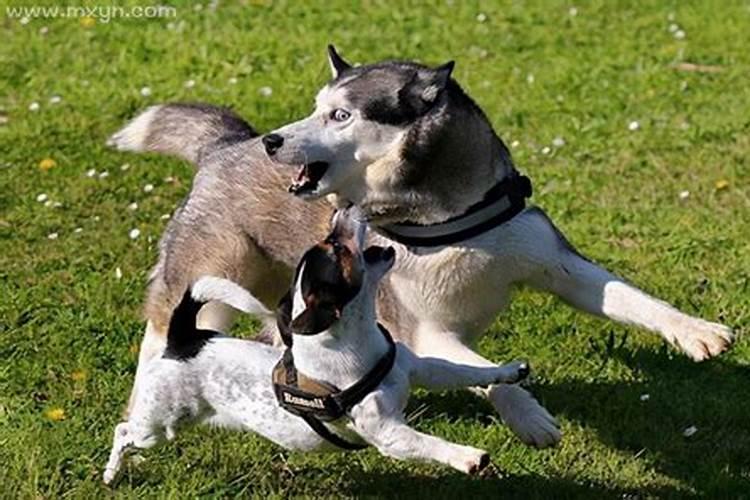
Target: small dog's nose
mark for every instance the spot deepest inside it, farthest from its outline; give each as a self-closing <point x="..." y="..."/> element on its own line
<point x="272" y="142"/>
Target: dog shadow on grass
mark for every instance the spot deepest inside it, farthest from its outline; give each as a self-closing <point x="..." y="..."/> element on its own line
<point x="688" y="421"/>
<point x="460" y="487"/>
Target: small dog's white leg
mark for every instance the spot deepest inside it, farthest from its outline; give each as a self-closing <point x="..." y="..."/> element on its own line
<point x="591" y="288"/>
<point x="121" y="442"/>
<point x="393" y="438"/>
<point x="529" y="420"/>
<point x="440" y="374"/>
<point x="152" y="345"/>
<point x="128" y="436"/>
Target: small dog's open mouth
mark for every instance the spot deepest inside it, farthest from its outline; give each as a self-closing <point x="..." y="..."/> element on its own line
<point x="308" y="177"/>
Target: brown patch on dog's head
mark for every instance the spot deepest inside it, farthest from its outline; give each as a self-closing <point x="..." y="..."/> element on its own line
<point x="329" y="276"/>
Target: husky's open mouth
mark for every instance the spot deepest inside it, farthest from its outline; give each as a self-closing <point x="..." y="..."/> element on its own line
<point x="308" y="177"/>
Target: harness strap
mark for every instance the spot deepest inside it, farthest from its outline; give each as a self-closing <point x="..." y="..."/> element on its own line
<point x="502" y="202"/>
<point x="316" y="401"/>
<point x="324" y="432"/>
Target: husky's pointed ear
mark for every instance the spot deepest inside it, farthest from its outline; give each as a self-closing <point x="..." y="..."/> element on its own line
<point x="437" y="81"/>
<point x="336" y="62"/>
<point x="314" y="320"/>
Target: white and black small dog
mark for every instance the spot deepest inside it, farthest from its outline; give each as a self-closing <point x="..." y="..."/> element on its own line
<point x="335" y="342"/>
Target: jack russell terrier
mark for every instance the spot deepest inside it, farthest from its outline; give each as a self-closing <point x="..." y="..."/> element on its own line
<point x="293" y="396"/>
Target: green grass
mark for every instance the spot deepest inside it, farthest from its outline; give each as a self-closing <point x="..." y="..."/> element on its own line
<point x="68" y="325"/>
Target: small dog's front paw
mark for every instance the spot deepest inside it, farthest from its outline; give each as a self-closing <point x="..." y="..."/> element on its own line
<point x="512" y="373"/>
<point x="480" y="465"/>
<point x="701" y="339"/>
<point x="109" y="476"/>
<point x="473" y="461"/>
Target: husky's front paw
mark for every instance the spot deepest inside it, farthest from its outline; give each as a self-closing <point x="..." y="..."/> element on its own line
<point x="701" y="339"/>
<point x="529" y="420"/>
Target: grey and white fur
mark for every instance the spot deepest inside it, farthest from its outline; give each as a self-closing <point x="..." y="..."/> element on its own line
<point x="404" y="143"/>
<point x="202" y="376"/>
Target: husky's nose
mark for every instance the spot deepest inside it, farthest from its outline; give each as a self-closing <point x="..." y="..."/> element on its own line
<point x="272" y="142"/>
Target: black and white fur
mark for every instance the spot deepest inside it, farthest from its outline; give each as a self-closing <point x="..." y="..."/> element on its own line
<point x="203" y="376"/>
<point x="405" y="144"/>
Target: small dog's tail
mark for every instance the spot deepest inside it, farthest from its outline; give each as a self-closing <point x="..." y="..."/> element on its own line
<point x="230" y="293"/>
<point x="182" y="130"/>
<point x="184" y="339"/>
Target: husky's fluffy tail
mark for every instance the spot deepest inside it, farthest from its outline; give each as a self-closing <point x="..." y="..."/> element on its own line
<point x="182" y="130"/>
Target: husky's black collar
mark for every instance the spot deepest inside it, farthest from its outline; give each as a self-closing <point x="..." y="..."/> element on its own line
<point x="317" y="402"/>
<point x="501" y="203"/>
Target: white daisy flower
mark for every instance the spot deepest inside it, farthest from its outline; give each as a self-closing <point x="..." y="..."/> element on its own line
<point x="134" y="233"/>
<point x="41" y="198"/>
<point x="145" y="91"/>
<point x="34" y="106"/>
<point x="148" y="188"/>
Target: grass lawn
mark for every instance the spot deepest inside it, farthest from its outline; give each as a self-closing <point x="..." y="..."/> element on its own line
<point x="642" y="162"/>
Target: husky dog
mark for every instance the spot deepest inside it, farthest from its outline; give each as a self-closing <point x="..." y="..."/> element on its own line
<point x="335" y="342"/>
<point x="404" y="143"/>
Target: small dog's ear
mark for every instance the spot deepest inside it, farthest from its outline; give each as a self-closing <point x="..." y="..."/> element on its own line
<point x="336" y="62"/>
<point x="284" y="318"/>
<point x="314" y="320"/>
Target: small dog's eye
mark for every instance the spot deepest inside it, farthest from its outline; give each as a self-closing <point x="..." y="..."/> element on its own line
<point x="340" y="115"/>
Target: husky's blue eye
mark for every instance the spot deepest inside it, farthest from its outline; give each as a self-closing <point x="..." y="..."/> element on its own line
<point x="340" y="115"/>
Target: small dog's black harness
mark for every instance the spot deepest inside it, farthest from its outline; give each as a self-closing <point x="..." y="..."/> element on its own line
<point x="316" y="401"/>
<point x="501" y="203"/>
